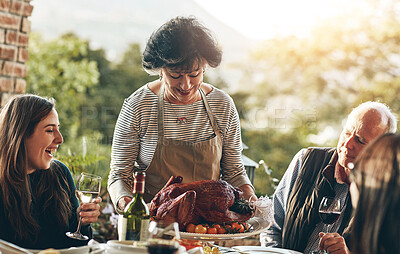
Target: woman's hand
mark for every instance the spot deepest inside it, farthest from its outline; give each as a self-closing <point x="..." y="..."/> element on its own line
<point x="123" y="202"/>
<point x="89" y="212"/>
<point x="333" y="243"/>
<point x="248" y="192"/>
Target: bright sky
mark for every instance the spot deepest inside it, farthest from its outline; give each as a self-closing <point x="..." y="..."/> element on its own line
<point x="263" y="19"/>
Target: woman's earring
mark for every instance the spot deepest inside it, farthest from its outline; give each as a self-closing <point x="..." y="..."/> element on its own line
<point x="160" y="77"/>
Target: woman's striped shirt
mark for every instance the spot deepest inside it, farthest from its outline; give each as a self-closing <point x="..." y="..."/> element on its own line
<point x="136" y="133"/>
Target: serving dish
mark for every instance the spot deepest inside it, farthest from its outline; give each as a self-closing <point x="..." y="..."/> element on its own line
<point x="261" y="249"/>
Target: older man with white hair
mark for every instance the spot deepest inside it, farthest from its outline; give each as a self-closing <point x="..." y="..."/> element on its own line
<point x="318" y="172"/>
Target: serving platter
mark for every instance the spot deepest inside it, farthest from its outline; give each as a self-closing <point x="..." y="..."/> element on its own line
<point x="261" y="249"/>
<point x="257" y="224"/>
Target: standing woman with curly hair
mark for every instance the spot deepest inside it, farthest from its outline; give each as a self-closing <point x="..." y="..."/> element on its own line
<point x="37" y="194"/>
<point x="177" y="125"/>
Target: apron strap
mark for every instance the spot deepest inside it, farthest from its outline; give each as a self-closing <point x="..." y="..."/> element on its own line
<point x="210" y="114"/>
<point x="160" y="114"/>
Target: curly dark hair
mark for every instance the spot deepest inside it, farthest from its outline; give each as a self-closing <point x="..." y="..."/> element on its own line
<point x="181" y="43"/>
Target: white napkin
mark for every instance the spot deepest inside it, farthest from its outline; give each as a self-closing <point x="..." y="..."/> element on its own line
<point x="264" y="208"/>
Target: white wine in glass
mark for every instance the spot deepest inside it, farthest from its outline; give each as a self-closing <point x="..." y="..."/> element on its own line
<point x="86" y="196"/>
<point x="87" y="190"/>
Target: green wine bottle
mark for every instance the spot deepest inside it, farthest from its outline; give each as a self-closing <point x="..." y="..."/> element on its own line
<point x="136" y="217"/>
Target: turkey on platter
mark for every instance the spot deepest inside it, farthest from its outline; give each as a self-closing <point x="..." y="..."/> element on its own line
<point x="207" y="201"/>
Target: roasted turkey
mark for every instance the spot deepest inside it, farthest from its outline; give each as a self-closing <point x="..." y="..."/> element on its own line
<point x="198" y="202"/>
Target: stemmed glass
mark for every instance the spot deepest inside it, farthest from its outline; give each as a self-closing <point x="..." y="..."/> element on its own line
<point x="162" y="234"/>
<point x="87" y="189"/>
<point x="329" y="212"/>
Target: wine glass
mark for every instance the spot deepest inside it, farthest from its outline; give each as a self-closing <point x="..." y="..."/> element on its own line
<point x="87" y="189"/>
<point x="162" y="237"/>
<point x="329" y="212"/>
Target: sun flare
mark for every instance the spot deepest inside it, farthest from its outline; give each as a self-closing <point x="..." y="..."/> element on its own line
<point x="263" y="19"/>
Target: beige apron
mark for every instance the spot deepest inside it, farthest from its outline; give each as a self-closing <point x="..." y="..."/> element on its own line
<point x="192" y="161"/>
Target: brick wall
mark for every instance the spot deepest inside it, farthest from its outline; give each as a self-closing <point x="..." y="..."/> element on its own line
<point x="14" y="37"/>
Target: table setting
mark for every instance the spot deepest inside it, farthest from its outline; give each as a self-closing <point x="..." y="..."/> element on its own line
<point x="133" y="247"/>
<point x="199" y="243"/>
<point x="173" y="236"/>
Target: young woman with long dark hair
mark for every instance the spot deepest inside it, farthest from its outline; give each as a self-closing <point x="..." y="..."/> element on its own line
<point x="37" y="193"/>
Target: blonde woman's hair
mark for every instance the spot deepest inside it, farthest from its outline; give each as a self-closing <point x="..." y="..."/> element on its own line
<point x="376" y="222"/>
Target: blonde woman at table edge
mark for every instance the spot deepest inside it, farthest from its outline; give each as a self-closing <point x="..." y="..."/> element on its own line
<point x="375" y="191"/>
<point x="37" y="194"/>
<point x="375" y="195"/>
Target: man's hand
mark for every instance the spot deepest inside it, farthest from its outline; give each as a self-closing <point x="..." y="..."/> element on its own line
<point x="333" y="243"/>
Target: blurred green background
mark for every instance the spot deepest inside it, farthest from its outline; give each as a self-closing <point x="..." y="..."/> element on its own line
<point x="295" y="93"/>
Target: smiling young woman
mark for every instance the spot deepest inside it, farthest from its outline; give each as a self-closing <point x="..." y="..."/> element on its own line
<point x="43" y="142"/>
<point x="37" y="194"/>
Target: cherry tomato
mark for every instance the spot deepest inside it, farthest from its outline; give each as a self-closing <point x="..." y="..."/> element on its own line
<point x="190" y="244"/>
<point x="238" y="227"/>
<point x="235" y="225"/>
<point x="212" y="230"/>
<point x="221" y="230"/>
<point x="200" y="229"/>
<point x="190" y="228"/>
<point x="217" y="226"/>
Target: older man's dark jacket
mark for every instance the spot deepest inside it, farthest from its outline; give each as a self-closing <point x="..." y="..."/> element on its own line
<point x="316" y="180"/>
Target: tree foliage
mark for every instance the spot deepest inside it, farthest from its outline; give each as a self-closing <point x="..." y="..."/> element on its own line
<point x="295" y="87"/>
<point x="343" y="63"/>
<point x="117" y="81"/>
<point x="60" y="69"/>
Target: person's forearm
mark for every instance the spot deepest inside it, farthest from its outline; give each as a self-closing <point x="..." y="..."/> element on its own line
<point x="118" y="190"/>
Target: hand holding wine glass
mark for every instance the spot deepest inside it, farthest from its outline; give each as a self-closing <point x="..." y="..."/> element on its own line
<point x="329" y="212"/>
<point x="87" y="190"/>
